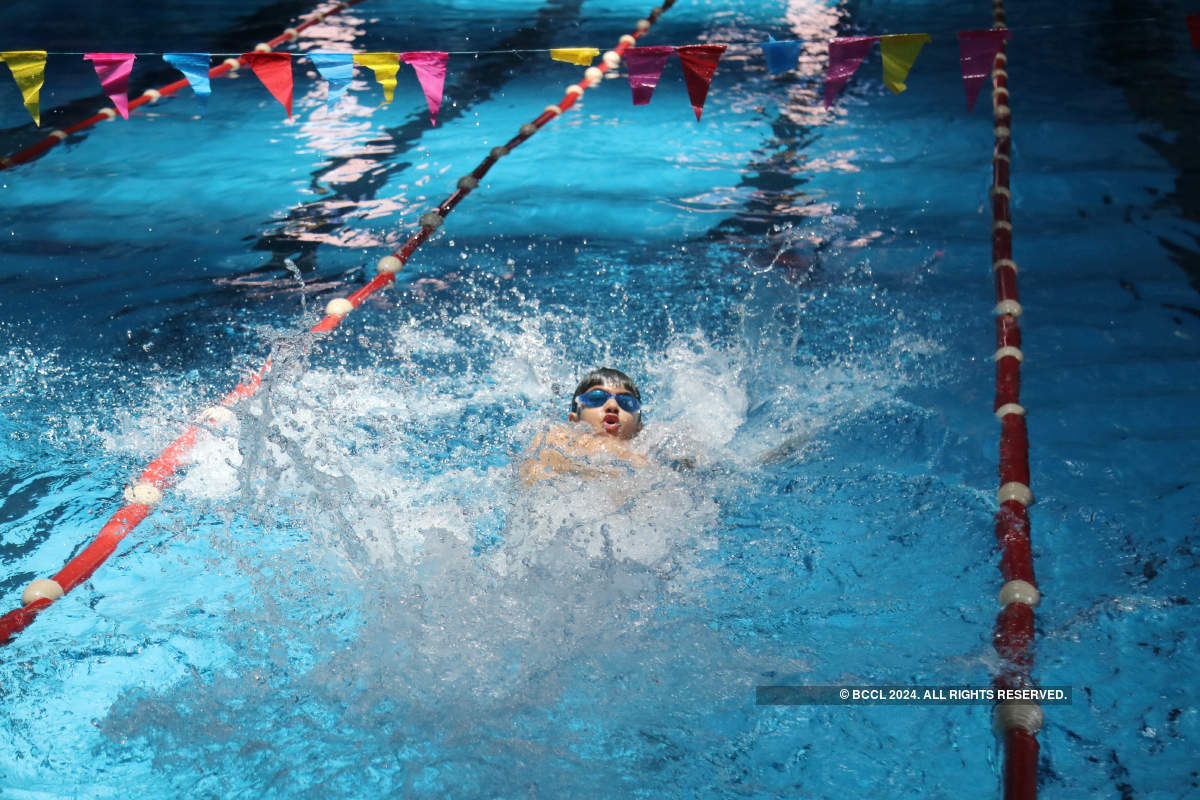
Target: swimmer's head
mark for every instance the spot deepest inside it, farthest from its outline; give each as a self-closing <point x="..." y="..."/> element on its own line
<point x="609" y="402"/>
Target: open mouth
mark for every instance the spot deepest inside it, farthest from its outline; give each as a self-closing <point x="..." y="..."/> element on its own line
<point x="611" y="423"/>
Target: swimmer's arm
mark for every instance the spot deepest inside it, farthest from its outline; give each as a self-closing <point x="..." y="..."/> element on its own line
<point x="546" y="461"/>
<point x="549" y="459"/>
<point x="550" y="462"/>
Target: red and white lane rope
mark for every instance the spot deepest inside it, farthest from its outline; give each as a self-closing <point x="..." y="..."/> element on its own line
<point x="1016" y="722"/>
<point x="146" y="492"/>
<point x="153" y="95"/>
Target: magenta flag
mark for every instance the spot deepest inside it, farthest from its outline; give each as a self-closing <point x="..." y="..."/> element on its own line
<point x="113" y="71"/>
<point x="699" y="65"/>
<point x="431" y="72"/>
<point x="845" y="56"/>
<point x="645" y="65"/>
<point x="976" y="53"/>
<point x="275" y="72"/>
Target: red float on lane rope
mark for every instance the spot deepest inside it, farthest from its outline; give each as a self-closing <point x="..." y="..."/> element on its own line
<point x="1013" y="635"/>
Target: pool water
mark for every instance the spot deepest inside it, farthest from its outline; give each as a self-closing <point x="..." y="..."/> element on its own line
<point x="349" y="591"/>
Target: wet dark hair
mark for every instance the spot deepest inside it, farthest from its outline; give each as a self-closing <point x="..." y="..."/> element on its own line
<point x="599" y="377"/>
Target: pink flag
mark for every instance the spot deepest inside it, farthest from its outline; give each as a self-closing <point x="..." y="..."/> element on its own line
<point x="845" y="55"/>
<point x="275" y="72"/>
<point x="645" y="65"/>
<point x="976" y="52"/>
<point x="431" y="72"/>
<point x="1193" y="25"/>
<point x="699" y="65"/>
<point x="113" y="71"/>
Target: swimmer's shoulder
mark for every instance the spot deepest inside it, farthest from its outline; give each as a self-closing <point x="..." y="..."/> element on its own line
<point x="558" y="436"/>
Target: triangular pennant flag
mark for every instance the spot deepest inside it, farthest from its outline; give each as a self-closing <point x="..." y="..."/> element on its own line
<point x="645" y="65"/>
<point x="1193" y="25"/>
<point x="575" y="55"/>
<point x="781" y="56"/>
<point x="845" y="56"/>
<point x="275" y="72"/>
<point x="194" y="67"/>
<point x="431" y="72"/>
<point x="976" y="53"/>
<point x="28" y="69"/>
<point x="385" y="66"/>
<point x="899" y="52"/>
<point x="337" y="69"/>
<point x="113" y="71"/>
<point x="699" y="65"/>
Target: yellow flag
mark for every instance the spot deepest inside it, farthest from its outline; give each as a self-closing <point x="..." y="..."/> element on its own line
<point x="899" y="53"/>
<point x="575" y="55"/>
<point x="385" y="66"/>
<point x="28" y="69"/>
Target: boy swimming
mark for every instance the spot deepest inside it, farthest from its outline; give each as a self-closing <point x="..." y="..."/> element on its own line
<point x="606" y="412"/>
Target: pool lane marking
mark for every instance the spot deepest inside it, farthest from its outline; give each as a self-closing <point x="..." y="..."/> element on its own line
<point x="1017" y="723"/>
<point x="154" y="95"/>
<point x="146" y="492"/>
<point x="140" y="499"/>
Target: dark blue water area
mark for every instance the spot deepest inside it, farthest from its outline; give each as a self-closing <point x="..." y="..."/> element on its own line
<point x="348" y="590"/>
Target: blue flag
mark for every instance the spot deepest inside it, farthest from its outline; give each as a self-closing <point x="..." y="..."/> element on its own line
<point x="194" y="67"/>
<point x="338" y="69"/>
<point x="782" y="56"/>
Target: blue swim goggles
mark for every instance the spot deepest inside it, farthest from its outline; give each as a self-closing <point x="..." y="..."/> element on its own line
<point x="598" y="397"/>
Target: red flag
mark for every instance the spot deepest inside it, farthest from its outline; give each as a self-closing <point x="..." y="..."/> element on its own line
<point x="645" y="65"/>
<point x="275" y="72"/>
<point x="1193" y="23"/>
<point x="699" y="64"/>
<point x="976" y="53"/>
<point x="845" y="56"/>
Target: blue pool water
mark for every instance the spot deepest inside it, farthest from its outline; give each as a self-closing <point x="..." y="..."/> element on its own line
<point x="349" y="591"/>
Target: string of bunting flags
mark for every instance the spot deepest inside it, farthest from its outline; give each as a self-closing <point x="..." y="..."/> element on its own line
<point x="30" y="67"/>
<point x="645" y="66"/>
<point x="274" y="70"/>
<point x="977" y="49"/>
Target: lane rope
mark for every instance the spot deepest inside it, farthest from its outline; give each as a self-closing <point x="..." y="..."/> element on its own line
<point x="146" y="492"/>
<point x="1017" y="722"/>
<point x="153" y="95"/>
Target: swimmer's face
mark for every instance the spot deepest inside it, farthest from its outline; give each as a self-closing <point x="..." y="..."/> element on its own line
<point x="609" y="419"/>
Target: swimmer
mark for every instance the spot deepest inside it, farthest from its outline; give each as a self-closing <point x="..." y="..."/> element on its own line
<point x="606" y="413"/>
